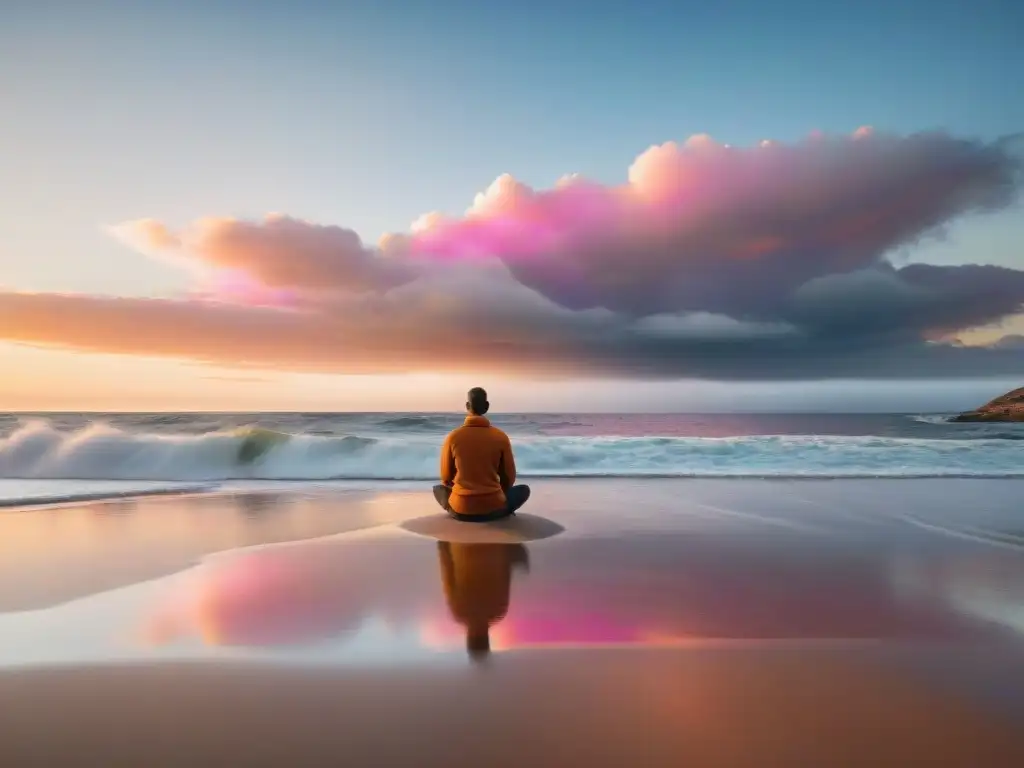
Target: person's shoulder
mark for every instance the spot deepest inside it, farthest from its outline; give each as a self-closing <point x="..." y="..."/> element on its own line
<point x="455" y="433"/>
<point x="499" y="434"/>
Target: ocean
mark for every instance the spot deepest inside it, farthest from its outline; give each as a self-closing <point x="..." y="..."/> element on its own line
<point x="63" y="457"/>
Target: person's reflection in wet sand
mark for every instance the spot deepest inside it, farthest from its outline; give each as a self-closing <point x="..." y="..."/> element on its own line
<point x="477" y="580"/>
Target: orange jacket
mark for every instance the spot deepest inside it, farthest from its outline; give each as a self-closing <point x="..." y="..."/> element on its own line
<point x="477" y="463"/>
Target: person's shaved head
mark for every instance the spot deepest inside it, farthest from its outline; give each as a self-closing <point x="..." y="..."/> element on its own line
<point x="476" y="401"/>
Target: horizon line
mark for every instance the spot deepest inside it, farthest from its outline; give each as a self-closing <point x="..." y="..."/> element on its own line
<point x="283" y="412"/>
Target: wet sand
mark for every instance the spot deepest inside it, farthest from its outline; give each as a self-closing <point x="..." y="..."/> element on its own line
<point x="593" y="708"/>
<point x="671" y="622"/>
<point x="52" y="554"/>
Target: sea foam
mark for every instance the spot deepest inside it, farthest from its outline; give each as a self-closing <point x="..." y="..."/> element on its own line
<point x="37" y="450"/>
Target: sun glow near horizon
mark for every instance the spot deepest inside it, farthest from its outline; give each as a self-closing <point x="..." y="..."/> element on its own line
<point x="44" y="380"/>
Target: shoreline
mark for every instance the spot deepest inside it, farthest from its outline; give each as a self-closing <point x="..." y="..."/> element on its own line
<point x="370" y="485"/>
<point x="52" y="502"/>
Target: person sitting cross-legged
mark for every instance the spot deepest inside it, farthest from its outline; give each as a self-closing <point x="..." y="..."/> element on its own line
<point x="478" y="470"/>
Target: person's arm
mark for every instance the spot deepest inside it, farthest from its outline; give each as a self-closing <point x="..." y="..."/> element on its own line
<point x="447" y="463"/>
<point x="507" y="467"/>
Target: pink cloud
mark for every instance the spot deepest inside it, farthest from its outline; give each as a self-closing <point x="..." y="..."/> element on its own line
<point x="696" y="209"/>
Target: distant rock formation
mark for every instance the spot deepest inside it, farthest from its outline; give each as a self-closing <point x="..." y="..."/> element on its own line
<point x="1009" y="407"/>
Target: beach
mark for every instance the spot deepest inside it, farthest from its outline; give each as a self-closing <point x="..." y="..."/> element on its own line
<point x="720" y="622"/>
<point x="512" y="385"/>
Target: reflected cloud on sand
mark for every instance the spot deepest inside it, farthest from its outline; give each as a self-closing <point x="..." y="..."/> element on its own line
<point x="477" y="581"/>
<point x="292" y="596"/>
<point x="286" y="596"/>
<point x="380" y="588"/>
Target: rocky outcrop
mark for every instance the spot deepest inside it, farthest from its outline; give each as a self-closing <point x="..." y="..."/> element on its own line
<point x="1009" y="407"/>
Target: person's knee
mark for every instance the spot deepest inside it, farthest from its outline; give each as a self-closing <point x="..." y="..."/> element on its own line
<point x="517" y="496"/>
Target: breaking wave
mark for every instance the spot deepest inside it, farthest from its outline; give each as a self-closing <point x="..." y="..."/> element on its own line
<point x="36" y="450"/>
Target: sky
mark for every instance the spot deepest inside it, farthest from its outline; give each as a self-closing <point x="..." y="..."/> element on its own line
<point x="578" y="205"/>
